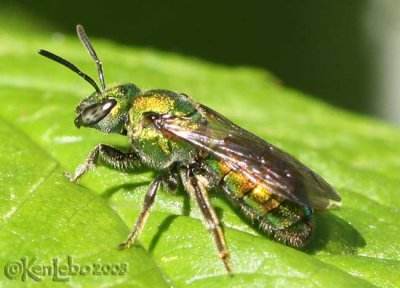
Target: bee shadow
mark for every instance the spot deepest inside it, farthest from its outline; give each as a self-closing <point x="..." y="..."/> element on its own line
<point x="334" y="235"/>
<point x="163" y="227"/>
<point x="331" y="233"/>
<point x="108" y="193"/>
<point x="166" y="223"/>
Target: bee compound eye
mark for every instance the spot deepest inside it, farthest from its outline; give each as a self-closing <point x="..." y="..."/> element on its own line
<point x="95" y="113"/>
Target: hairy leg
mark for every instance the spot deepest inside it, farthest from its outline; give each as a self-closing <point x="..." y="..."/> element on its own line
<point x="109" y="156"/>
<point x="198" y="191"/>
<point x="141" y="221"/>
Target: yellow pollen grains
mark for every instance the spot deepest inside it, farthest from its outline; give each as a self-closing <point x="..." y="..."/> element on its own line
<point x="115" y="110"/>
<point x="156" y="103"/>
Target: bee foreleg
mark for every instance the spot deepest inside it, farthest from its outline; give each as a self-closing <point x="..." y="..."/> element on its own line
<point x="141" y="221"/>
<point x="199" y="192"/>
<point x="108" y="156"/>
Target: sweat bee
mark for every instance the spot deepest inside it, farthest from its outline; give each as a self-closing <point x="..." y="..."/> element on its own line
<point x="189" y="143"/>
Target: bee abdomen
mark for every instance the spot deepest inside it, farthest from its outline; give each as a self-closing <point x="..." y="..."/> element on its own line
<point x="290" y="223"/>
<point x="284" y="221"/>
<point x="258" y="198"/>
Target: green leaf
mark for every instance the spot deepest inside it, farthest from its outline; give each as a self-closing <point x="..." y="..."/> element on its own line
<point x="43" y="215"/>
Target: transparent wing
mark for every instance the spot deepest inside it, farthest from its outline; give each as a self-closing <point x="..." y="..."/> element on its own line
<point x="261" y="162"/>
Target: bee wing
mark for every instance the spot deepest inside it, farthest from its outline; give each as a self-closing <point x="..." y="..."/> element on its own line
<point x="261" y="162"/>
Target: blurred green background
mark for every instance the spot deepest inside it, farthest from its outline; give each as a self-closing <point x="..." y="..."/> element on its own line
<point x="329" y="49"/>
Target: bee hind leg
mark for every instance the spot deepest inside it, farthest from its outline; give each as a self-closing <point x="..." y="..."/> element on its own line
<point x="199" y="193"/>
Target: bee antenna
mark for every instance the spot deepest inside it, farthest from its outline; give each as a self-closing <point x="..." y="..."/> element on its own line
<point x="70" y="66"/>
<point x="86" y="42"/>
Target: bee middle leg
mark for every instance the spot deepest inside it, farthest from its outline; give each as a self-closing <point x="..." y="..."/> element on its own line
<point x="199" y="192"/>
<point x="144" y="214"/>
<point x="169" y="180"/>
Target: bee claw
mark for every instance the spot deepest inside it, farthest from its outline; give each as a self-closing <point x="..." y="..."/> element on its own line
<point x="69" y="177"/>
<point x="125" y="245"/>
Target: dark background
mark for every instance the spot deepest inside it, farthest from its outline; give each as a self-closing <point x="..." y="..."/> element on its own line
<point x="317" y="47"/>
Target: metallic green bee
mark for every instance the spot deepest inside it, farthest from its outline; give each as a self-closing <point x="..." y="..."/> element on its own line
<point x="187" y="142"/>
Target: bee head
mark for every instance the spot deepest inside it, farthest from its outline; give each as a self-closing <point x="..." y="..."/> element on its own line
<point x="106" y="109"/>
